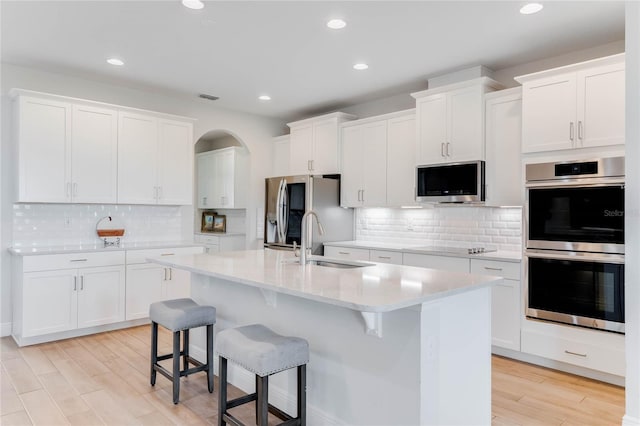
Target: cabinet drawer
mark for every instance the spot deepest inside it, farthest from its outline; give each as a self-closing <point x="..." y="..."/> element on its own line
<point x="207" y="239"/>
<point x="384" y="256"/>
<point x="50" y="262"/>
<point x="508" y="270"/>
<point x="608" y="358"/>
<point x="346" y="253"/>
<point x="444" y="263"/>
<point x="140" y="256"/>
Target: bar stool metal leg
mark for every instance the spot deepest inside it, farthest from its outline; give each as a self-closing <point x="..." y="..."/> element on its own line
<point x="222" y="391"/>
<point x="302" y="394"/>
<point x="210" y="357"/>
<point x="262" y="404"/>
<point x="154" y="352"/>
<point x="176" y="366"/>
<point x="185" y="349"/>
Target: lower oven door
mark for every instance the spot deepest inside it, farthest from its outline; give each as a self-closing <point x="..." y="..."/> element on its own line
<point x="584" y="289"/>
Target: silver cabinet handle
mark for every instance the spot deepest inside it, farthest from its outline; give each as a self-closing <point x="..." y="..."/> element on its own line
<point x="75" y="189"/>
<point x="358" y="195"/>
<point x="442" y="149"/>
<point x="343" y="252"/>
<point x="363" y="195"/>
<point x="580" y="135"/>
<point x="170" y="274"/>
<point x="309" y="165"/>
<point x="68" y="189"/>
<point x="575" y="353"/>
<point x="164" y="277"/>
<point x="81" y="282"/>
<point x="492" y="269"/>
<point x="159" y="192"/>
<point x="448" y="154"/>
<point x="78" y="260"/>
<point x="75" y="283"/>
<point x="167" y="254"/>
<point x="204" y="201"/>
<point x="571" y="130"/>
<point x="384" y="257"/>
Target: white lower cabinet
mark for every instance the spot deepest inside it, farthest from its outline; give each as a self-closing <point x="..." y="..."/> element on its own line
<point x="148" y="282"/>
<point x="505" y="301"/>
<point x="49" y="297"/>
<point x="218" y="243"/>
<point x="346" y="253"/>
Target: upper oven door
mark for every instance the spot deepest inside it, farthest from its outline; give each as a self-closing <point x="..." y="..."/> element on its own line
<point x="576" y="218"/>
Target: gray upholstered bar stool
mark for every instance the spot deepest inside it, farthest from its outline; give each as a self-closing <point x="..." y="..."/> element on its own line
<point x="181" y="315"/>
<point x="263" y="352"/>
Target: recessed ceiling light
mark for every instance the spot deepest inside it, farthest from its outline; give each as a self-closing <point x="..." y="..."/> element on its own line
<point x="360" y="66"/>
<point x="336" y="24"/>
<point x="264" y="97"/>
<point x="193" y="4"/>
<point x="531" y="8"/>
<point x="115" y="61"/>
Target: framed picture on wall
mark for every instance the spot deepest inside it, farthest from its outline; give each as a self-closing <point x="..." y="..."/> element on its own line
<point x="207" y="221"/>
<point x="219" y="223"/>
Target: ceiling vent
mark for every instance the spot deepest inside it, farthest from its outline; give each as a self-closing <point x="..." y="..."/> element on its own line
<point x="209" y="97"/>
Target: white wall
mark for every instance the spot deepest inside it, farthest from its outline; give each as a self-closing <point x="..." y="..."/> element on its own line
<point x="253" y="131"/>
<point x="632" y="219"/>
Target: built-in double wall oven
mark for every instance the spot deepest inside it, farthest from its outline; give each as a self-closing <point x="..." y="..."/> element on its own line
<point x="575" y="243"/>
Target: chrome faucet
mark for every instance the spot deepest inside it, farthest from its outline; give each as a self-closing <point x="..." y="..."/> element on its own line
<point x="303" y="238"/>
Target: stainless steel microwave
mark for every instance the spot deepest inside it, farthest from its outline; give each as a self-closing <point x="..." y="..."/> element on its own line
<point x="451" y="182"/>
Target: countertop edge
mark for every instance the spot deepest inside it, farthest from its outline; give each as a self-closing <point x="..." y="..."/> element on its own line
<point x="17" y="251"/>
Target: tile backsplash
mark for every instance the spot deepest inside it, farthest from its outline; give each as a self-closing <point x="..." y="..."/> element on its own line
<point x="466" y="226"/>
<point x="39" y="225"/>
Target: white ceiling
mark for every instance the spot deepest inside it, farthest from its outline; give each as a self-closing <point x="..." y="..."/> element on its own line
<point x="238" y="50"/>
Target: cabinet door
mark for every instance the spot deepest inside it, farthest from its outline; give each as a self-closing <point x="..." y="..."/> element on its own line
<point x="465" y="125"/>
<point x="137" y="158"/>
<point x="324" y="157"/>
<point x="225" y="183"/>
<point x="94" y="148"/>
<point x="44" y="141"/>
<point x="401" y="161"/>
<point x="503" y="151"/>
<point x="175" y="163"/>
<point x="178" y="285"/>
<point x="432" y="129"/>
<point x="374" y="164"/>
<point x="101" y="296"/>
<point x="280" y="164"/>
<point x="301" y="139"/>
<point x="49" y="302"/>
<point x="549" y="114"/>
<point x="144" y="287"/>
<point x="351" y="177"/>
<point x="205" y="163"/>
<point x="505" y="314"/>
<point x="444" y="263"/>
<point x="601" y="106"/>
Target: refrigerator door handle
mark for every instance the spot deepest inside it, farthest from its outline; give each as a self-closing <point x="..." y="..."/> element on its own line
<point x="279" y="213"/>
<point x="285" y="212"/>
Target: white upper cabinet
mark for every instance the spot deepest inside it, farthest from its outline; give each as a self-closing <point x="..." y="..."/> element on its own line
<point x="575" y="106"/>
<point x="137" y="158"/>
<point x="155" y="163"/>
<point x="315" y="144"/>
<point x="94" y="155"/>
<point x="77" y="151"/>
<point x="450" y="121"/>
<point x="280" y="163"/>
<point x="175" y="162"/>
<point x="378" y="161"/>
<point x="364" y="174"/>
<point x="222" y="178"/>
<point x="504" y="183"/>
<point x="66" y="152"/>
<point x="401" y="160"/>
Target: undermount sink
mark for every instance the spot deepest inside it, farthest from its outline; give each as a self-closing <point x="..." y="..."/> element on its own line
<point x="332" y="263"/>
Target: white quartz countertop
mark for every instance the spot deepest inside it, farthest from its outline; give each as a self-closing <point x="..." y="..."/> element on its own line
<point x="376" y="288"/>
<point x="501" y="255"/>
<point x="87" y="248"/>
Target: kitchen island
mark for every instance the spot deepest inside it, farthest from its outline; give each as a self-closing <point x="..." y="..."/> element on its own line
<point x="389" y="344"/>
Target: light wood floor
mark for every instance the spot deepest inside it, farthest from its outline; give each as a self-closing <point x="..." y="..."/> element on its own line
<point x="103" y="379"/>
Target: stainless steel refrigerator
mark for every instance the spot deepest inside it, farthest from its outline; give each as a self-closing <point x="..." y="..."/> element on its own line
<point x="287" y="198"/>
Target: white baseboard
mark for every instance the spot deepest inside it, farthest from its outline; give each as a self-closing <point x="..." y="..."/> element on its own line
<point x="5" y="329"/>
<point x="630" y="421"/>
<point x="245" y="381"/>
